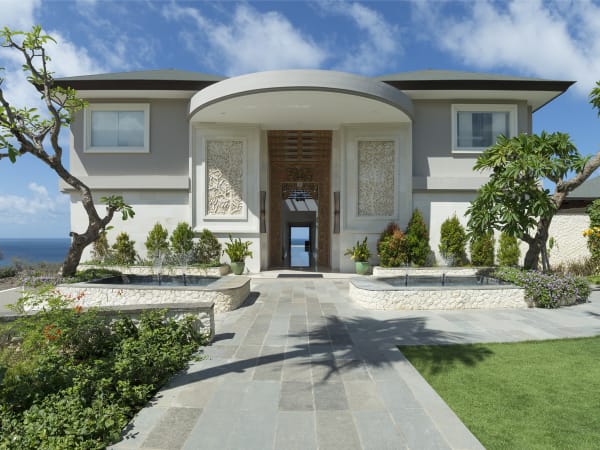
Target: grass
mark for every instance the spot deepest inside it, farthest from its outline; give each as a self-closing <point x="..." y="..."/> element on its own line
<point x="530" y="395"/>
<point x="595" y="279"/>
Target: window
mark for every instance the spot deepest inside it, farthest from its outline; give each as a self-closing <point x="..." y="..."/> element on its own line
<point x="117" y="127"/>
<point x="476" y="127"/>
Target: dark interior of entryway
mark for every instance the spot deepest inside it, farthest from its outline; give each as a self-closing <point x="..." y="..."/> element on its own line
<point x="299" y="191"/>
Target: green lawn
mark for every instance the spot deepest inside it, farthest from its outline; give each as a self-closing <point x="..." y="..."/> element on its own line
<point x="531" y="395"/>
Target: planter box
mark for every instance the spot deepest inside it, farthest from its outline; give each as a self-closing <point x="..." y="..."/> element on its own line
<point x="166" y="270"/>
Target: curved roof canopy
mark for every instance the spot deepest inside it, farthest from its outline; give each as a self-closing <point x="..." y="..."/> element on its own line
<point x="314" y="99"/>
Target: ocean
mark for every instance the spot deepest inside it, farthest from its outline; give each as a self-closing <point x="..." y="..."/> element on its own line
<point x="33" y="250"/>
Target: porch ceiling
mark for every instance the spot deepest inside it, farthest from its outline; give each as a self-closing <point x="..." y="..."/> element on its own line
<point x="301" y="99"/>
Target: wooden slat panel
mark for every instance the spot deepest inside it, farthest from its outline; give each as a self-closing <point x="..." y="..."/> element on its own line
<point x="304" y="154"/>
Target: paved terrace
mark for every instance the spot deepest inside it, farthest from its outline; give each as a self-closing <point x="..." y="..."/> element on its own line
<point x="300" y="367"/>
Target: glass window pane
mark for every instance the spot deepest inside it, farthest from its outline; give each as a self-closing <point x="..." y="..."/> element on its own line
<point x="131" y="129"/>
<point x="104" y="129"/>
<point x="480" y="129"/>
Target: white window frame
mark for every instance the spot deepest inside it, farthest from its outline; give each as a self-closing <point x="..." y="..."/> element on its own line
<point x="144" y="107"/>
<point x="485" y="108"/>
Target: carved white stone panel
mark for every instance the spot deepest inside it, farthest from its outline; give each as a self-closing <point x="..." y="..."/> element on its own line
<point x="376" y="186"/>
<point x="225" y="177"/>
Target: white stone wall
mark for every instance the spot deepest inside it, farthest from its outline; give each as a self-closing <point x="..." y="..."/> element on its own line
<point x="567" y="229"/>
<point x="439" y="298"/>
<point x="113" y="295"/>
<point x="165" y="270"/>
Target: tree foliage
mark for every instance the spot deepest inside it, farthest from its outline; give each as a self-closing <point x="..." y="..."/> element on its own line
<point x="124" y="250"/>
<point x="28" y="131"/>
<point x="514" y="199"/>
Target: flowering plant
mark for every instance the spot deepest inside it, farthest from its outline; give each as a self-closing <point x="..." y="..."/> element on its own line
<point x="547" y="290"/>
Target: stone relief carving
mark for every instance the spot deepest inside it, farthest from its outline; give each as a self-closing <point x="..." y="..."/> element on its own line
<point x="225" y="163"/>
<point x="376" y="165"/>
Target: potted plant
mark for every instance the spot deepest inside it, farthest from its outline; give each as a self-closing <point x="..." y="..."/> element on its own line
<point x="237" y="252"/>
<point x="360" y="254"/>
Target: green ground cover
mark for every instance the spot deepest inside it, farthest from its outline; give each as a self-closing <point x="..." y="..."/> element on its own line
<point x="530" y="395"/>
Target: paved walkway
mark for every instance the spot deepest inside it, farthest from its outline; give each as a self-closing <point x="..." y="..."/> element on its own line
<point x="300" y="367"/>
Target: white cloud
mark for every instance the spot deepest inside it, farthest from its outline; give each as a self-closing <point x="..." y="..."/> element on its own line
<point x="556" y="39"/>
<point x="378" y="42"/>
<point x="37" y="206"/>
<point x="250" y="42"/>
<point x="18" y="14"/>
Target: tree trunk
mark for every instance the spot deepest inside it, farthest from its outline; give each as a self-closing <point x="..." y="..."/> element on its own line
<point x="69" y="267"/>
<point x="537" y="247"/>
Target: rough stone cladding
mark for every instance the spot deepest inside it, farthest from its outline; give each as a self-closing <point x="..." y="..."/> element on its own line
<point x="567" y="229"/>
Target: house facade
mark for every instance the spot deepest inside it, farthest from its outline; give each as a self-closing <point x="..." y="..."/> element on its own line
<point x="273" y="157"/>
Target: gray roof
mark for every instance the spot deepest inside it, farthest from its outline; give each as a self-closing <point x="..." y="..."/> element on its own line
<point x="158" y="74"/>
<point x="429" y="75"/>
<point x="590" y="189"/>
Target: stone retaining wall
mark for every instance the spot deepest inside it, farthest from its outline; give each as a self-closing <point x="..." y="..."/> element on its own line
<point x="390" y="272"/>
<point x="165" y="270"/>
<point x="375" y="295"/>
<point x="227" y="293"/>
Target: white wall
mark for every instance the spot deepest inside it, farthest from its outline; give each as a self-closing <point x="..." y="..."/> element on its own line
<point x="436" y="207"/>
<point x="168" y="208"/>
<point x="567" y="229"/>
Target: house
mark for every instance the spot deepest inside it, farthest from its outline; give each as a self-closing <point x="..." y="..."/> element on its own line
<point x="273" y="157"/>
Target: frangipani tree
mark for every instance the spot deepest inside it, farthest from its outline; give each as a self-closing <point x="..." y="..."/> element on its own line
<point x="26" y="131"/>
<point x="514" y="200"/>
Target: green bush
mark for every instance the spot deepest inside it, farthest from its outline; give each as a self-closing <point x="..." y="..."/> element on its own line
<point x="508" y="251"/>
<point x="7" y="272"/>
<point x="392" y="249"/>
<point x="157" y="243"/>
<point x="547" y="290"/>
<point x="482" y="250"/>
<point x="417" y="240"/>
<point x="182" y="240"/>
<point x="124" y="250"/>
<point x="594" y="238"/>
<point x="453" y="240"/>
<point x="100" y="248"/>
<point x="73" y="379"/>
<point x="207" y="251"/>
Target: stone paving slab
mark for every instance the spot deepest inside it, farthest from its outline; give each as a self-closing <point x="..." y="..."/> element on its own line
<point x="299" y="366"/>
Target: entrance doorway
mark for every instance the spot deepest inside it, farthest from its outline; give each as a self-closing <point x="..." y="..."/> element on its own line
<point x="299" y="191"/>
<point x="300" y="246"/>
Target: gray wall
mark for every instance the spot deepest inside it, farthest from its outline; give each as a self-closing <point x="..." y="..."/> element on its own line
<point x="432" y="138"/>
<point x="169" y="144"/>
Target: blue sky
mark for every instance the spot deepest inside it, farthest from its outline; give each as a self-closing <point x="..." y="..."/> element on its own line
<point x="554" y="40"/>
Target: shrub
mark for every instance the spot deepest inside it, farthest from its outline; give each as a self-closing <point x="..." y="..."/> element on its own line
<point x="7" y="272"/>
<point x="482" y="250"/>
<point x="72" y="379"/>
<point x="124" y="250"/>
<point x="101" y="249"/>
<point x="417" y="239"/>
<point x="508" y="251"/>
<point x="182" y="240"/>
<point x="453" y="240"/>
<point x="594" y="237"/>
<point x="207" y="250"/>
<point x="582" y="267"/>
<point x="157" y="243"/>
<point x="547" y="290"/>
<point x="392" y="250"/>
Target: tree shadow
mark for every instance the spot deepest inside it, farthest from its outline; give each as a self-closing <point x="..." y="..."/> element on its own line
<point x="354" y="348"/>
